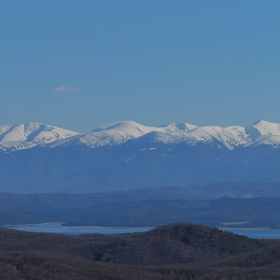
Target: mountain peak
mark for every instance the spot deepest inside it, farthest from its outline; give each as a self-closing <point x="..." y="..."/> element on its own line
<point x="257" y="122"/>
<point x="120" y="125"/>
<point x="185" y="127"/>
<point x="269" y="128"/>
<point x="24" y="136"/>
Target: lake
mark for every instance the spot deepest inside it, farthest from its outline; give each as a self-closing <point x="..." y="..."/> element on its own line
<point x="75" y="230"/>
<point x="255" y="233"/>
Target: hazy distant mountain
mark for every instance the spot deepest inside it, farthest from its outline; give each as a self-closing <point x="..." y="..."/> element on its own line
<point x="26" y="136"/>
<point x="123" y="155"/>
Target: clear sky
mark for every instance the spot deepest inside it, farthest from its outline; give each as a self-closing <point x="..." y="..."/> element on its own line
<point x="81" y="64"/>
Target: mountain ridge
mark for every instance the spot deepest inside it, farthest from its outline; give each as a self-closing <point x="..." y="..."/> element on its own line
<point x="37" y="158"/>
<point x="26" y="136"/>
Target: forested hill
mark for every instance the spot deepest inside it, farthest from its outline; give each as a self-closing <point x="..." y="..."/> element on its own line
<point x="178" y="243"/>
<point x="176" y="251"/>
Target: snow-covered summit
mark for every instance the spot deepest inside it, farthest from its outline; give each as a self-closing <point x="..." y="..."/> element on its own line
<point x="182" y="127"/>
<point x="26" y="136"/>
<point x="263" y="132"/>
<point x="112" y="134"/>
<point x="267" y="128"/>
<point x="120" y="132"/>
<point x="117" y="133"/>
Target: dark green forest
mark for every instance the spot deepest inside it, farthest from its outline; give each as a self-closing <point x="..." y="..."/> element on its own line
<point x="175" y="251"/>
<point x="193" y="250"/>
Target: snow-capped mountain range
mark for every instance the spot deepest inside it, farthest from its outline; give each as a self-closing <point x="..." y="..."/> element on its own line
<point x="39" y="158"/>
<point x="26" y="136"/>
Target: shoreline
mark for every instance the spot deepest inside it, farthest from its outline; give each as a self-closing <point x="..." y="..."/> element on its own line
<point x="65" y="226"/>
<point x="256" y="229"/>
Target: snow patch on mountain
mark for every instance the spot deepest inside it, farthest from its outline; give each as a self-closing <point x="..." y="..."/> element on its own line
<point x="230" y="137"/>
<point x="120" y="132"/>
<point x="26" y="136"/>
<point x="112" y="134"/>
<point x="265" y="133"/>
<point x="176" y="127"/>
<point x="164" y="138"/>
<point x="267" y="128"/>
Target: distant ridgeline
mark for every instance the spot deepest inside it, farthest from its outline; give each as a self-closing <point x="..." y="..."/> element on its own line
<point x="39" y="158"/>
<point x="142" y="207"/>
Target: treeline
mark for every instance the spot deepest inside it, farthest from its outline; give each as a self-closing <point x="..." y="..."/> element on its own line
<point x="176" y="251"/>
<point x="175" y="243"/>
<point x="39" y="266"/>
<point x="43" y="266"/>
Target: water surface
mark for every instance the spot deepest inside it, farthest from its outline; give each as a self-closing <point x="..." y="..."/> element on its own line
<point x="255" y="233"/>
<point x="75" y="230"/>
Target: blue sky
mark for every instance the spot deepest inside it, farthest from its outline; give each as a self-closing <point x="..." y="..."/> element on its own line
<point x="82" y="64"/>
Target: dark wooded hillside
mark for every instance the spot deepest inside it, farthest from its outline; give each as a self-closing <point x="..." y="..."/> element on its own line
<point x="176" y="251"/>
